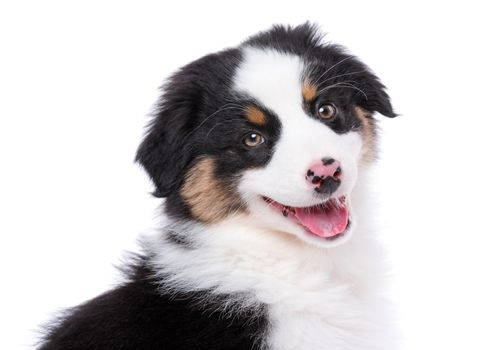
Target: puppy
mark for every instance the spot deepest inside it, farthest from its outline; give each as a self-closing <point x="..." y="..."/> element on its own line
<point x="262" y="154"/>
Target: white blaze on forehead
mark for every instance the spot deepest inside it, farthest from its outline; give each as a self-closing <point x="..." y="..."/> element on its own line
<point x="272" y="78"/>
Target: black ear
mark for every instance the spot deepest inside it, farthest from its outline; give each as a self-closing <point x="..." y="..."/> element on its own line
<point x="374" y="97"/>
<point x="165" y="151"/>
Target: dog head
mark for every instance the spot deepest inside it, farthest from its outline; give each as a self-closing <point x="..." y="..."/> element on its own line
<point x="274" y="129"/>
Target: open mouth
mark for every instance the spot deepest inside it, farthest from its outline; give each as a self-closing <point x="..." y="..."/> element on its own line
<point x="327" y="220"/>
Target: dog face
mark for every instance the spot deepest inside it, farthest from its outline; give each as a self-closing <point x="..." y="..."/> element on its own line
<point x="274" y="130"/>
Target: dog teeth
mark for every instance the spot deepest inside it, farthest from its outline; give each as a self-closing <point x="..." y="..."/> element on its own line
<point x="287" y="210"/>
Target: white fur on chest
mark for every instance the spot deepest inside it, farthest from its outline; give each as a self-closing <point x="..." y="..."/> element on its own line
<point x="317" y="298"/>
<point x="326" y="310"/>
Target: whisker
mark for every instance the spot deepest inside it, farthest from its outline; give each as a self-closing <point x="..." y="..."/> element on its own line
<point x="343" y="84"/>
<point x="328" y="87"/>
<point x="218" y="124"/>
<point x="341" y="75"/>
<point x="225" y="107"/>
<point x="335" y="84"/>
<point x="355" y="88"/>
<point x="332" y="67"/>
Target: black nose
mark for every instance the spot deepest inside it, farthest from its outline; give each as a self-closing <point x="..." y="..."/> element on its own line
<point x="328" y="185"/>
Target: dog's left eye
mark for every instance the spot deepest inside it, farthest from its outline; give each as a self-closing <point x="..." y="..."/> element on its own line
<point x="327" y="111"/>
<point x="253" y="139"/>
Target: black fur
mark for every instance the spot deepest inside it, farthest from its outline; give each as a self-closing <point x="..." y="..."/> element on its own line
<point x="178" y="239"/>
<point x="299" y="40"/>
<point x="196" y="91"/>
<point x="139" y="316"/>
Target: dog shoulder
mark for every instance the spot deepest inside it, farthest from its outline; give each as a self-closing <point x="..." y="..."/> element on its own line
<point x="140" y="315"/>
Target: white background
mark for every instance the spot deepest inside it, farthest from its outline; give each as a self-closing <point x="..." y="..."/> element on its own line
<point x="78" y="80"/>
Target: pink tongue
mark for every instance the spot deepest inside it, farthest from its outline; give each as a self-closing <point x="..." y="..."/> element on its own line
<point x="324" y="222"/>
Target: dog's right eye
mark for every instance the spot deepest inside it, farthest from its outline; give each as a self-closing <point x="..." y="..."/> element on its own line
<point x="253" y="139"/>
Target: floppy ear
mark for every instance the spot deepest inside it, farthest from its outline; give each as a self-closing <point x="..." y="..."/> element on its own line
<point x="375" y="99"/>
<point x="165" y="152"/>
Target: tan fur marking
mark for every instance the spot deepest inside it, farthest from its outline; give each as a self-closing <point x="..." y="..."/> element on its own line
<point x="368" y="134"/>
<point x="208" y="198"/>
<point x="309" y="91"/>
<point x="255" y="115"/>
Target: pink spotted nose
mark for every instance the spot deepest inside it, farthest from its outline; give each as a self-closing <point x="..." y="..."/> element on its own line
<point x="325" y="175"/>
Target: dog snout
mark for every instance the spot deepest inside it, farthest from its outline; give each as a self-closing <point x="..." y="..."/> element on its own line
<point x="325" y="175"/>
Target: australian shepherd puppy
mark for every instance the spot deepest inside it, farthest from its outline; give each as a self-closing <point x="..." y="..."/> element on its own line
<point x="262" y="154"/>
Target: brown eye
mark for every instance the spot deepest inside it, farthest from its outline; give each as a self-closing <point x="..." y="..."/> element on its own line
<point x="253" y="139"/>
<point x="327" y="111"/>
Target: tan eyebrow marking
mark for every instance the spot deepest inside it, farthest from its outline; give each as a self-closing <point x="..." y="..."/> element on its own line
<point x="308" y="90"/>
<point x="255" y="115"/>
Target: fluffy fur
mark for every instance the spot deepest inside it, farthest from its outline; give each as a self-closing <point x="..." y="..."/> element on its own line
<point x="234" y="132"/>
